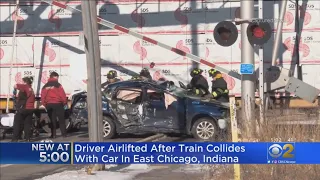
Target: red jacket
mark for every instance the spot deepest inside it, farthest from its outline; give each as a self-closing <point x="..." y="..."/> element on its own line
<point x="26" y="95"/>
<point x="53" y="93"/>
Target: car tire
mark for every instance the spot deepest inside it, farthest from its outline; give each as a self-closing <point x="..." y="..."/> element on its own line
<point x="109" y="128"/>
<point x="205" y="129"/>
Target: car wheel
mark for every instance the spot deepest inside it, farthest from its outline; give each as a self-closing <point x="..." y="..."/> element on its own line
<point x="205" y="129"/>
<point x="109" y="129"/>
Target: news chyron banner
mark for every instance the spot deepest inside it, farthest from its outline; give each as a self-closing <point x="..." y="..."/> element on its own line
<point x="159" y="153"/>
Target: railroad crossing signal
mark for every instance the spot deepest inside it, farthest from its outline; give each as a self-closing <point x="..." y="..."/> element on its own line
<point x="259" y="32"/>
<point x="225" y="33"/>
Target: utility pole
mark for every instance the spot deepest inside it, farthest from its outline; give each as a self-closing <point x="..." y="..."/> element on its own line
<point x="92" y="49"/>
<point x="247" y="57"/>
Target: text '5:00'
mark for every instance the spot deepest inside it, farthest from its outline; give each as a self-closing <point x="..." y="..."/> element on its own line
<point x="54" y="157"/>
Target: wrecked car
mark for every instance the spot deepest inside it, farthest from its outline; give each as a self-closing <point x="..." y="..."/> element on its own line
<point x="137" y="106"/>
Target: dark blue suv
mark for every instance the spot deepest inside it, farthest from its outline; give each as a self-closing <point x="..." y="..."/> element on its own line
<point x="137" y="106"/>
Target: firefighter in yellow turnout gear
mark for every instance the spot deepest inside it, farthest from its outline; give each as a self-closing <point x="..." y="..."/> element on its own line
<point x="144" y="75"/>
<point x="220" y="90"/>
<point x="198" y="84"/>
<point x="111" y="78"/>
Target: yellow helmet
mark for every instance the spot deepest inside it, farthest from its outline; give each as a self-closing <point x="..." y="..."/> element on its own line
<point x="195" y="71"/>
<point x="213" y="72"/>
<point x="112" y="74"/>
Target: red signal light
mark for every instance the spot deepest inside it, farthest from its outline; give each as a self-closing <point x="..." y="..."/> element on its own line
<point x="258" y="32"/>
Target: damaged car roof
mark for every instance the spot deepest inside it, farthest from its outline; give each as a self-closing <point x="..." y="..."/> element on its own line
<point x="162" y="85"/>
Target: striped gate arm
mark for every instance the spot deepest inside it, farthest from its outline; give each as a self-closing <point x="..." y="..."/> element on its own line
<point x="145" y="38"/>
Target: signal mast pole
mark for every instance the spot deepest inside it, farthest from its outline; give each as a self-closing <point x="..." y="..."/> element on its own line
<point x="247" y="57"/>
<point x="261" y="72"/>
<point x="92" y="49"/>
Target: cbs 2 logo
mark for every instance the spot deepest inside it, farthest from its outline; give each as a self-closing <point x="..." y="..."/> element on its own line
<point x="285" y="151"/>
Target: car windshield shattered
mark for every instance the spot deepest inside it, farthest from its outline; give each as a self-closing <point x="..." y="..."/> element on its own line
<point x="168" y="86"/>
<point x="172" y="88"/>
<point x="106" y="93"/>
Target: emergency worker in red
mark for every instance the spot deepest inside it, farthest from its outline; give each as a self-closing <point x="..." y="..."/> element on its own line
<point x="24" y="109"/>
<point x="54" y="99"/>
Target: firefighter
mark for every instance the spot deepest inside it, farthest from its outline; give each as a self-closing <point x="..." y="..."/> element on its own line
<point x="145" y="74"/>
<point x="198" y="83"/>
<point x="54" y="100"/>
<point x="111" y="78"/>
<point x="24" y="109"/>
<point x="220" y="90"/>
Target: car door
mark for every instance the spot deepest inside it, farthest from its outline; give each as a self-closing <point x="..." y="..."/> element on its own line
<point x="158" y="113"/>
<point x="127" y="107"/>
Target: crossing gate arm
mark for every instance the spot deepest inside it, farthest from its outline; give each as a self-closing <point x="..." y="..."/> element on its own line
<point x="145" y="38"/>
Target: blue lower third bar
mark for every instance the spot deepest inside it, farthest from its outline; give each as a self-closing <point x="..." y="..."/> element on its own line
<point x="194" y="153"/>
<point x="159" y="153"/>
